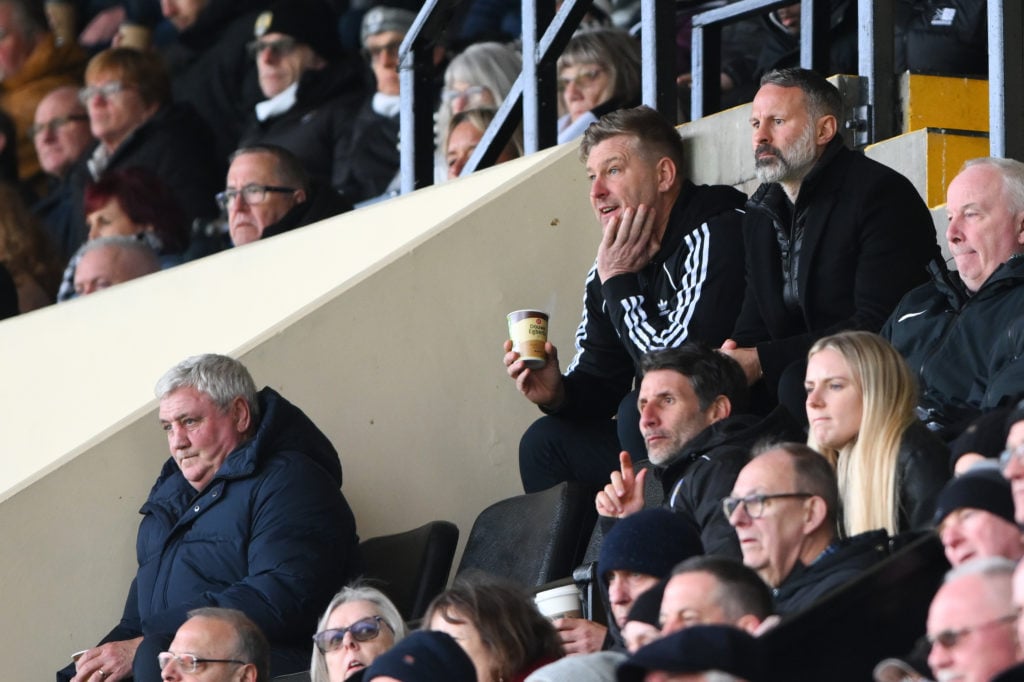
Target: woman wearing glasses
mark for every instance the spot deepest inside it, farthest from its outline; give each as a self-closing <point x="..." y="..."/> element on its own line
<point x="598" y="72"/>
<point x="860" y="409"/>
<point x="497" y="625"/>
<point x="359" y="625"/>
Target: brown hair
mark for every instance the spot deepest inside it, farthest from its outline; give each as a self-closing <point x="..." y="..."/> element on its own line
<point x="25" y="249"/>
<point x="144" y="71"/>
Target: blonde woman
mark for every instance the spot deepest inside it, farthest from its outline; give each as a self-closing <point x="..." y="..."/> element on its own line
<point x="860" y="410"/>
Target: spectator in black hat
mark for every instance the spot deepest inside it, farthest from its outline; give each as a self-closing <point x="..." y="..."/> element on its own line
<point x="697" y="651"/>
<point x="983" y="439"/>
<point x="374" y="157"/>
<point x="974" y="517"/>
<point x="423" y="656"/>
<point x="313" y="90"/>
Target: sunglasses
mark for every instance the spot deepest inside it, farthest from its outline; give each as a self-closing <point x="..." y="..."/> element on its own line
<point x="362" y="631"/>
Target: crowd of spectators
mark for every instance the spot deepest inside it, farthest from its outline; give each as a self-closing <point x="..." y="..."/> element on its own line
<point x="799" y="369"/>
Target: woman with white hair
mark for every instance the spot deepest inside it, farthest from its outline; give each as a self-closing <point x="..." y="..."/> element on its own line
<point x="359" y="625"/>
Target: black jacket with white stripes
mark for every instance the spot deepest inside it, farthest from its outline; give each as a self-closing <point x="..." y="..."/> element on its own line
<point x="691" y="290"/>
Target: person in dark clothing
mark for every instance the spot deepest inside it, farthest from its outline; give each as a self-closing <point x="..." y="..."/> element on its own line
<point x="313" y="90"/>
<point x="944" y="37"/>
<point x="950" y="330"/>
<point x="246" y="514"/>
<point x="691" y="403"/>
<point x="669" y="270"/>
<point x="784" y="507"/>
<point x="833" y="239"/>
<point x="8" y="294"/>
<point x="268" y="193"/>
<point x="209" y="65"/>
<point x="780" y="38"/>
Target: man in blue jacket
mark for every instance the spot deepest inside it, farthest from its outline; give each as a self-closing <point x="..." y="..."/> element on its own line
<point x="247" y="514"/>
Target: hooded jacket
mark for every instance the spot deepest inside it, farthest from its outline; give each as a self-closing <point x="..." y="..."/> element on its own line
<point x="270" y="535"/>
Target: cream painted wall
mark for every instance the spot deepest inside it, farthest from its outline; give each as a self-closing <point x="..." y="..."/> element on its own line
<point x="385" y="325"/>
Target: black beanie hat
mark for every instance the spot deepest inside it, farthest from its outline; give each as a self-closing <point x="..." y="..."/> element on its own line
<point x="651" y="542"/>
<point x="697" y="649"/>
<point x="308" y="21"/>
<point x="984" y="488"/>
<point x="424" y="656"/>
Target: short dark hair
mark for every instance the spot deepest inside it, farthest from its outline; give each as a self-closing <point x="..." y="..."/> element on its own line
<point x="710" y="372"/>
<point x="814" y="474"/>
<point x="741" y="590"/>
<point x="655" y="136"/>
<point x="251" y="642"/>
<point x="289" y="169"/>
<point x="823" y="98"/>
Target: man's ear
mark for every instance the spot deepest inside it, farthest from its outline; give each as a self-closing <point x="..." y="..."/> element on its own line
<point x="241" y="414"/>
<point x="666" y="170"/>
<point x="826" y="129"/>
<point x="248" y="673"/>
<point x="719" y="409"/>
<point x="300" y="196"/>
<point x="814" y="514"/>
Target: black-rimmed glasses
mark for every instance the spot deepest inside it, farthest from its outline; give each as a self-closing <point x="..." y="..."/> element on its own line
<point x="362" y="631"/>
<point x="189" y="663"/>
<point x="251" y="194"/>
<point x="755" y="504"/>
<point x="950" y="638"/>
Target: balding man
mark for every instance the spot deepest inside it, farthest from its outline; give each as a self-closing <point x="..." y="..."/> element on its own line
<point x="784" y="508"/>
<point x="223" y="643"/>
<point x="947" y="328"/>
<point x="971" y="622"/>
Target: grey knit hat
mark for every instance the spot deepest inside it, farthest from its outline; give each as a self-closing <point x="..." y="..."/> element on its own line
<point x="381" y="19"/>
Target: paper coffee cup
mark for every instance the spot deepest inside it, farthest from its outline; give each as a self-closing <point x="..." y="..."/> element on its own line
<point x="528" y="330"/>
<point x="559" y="602"/>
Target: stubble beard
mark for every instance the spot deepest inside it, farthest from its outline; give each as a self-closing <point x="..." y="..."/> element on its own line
<point x="791" y="166"/>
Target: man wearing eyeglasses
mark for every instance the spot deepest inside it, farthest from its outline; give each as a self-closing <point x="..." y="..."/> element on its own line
<point x="784" y="507"/>
<point x="216" y="645"/>
<point x="971" y="622"/>
<point x="268" y="193"/>
<point x="313" y="89"/>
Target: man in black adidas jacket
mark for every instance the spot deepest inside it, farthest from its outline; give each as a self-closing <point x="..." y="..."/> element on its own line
<point x="669" y="270"/>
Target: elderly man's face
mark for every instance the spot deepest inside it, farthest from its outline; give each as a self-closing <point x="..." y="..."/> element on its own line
<point x="105" y="267"/>
<point x="15" y="46"/>
<point x="772" y="543"/>
<point x="207" y="638"/>
<point x="61" y="131"/>
<point x="691" y="599"/>
<point x="247" y="221"/>
<point x="623" y="589"/>
<point x="383" y="52"/>
<point x="969" y="533"/>
<point x="983" y="232"/>
<point x="201" y="435"/>
<point x="281" y="61"/>
<point x="972" y="625"/>
<point x="783" y="135"/>
<point x="670" y="414"/>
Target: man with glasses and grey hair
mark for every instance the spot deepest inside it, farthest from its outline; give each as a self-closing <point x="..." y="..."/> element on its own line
<point x="268" y="192"/>
<point x="971" y="622"/>
<point x="247" y="513"/>
<point x="219" y="645"/>
<point x="784" y="508"/>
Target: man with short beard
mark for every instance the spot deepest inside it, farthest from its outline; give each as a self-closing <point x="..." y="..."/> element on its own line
<point x="833" y="239"/>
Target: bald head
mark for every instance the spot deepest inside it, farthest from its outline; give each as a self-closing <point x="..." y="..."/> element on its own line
<point x="60" y="130"/>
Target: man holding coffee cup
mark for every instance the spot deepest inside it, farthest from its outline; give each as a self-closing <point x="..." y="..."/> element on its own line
<point x="669" y="269"/>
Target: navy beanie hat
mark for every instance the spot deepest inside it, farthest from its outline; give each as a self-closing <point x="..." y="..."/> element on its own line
<point x="424" y="656"/>
<point x="698" y="649"/>
<point x="311" y="22"/>
<point x="984" y="488"/>
<point x="651" y="542"/>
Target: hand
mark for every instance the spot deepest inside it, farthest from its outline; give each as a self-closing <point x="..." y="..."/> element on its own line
<point x="579" y="635"/>
<point x="966" y="461"/>
<point x="103" y="27"/>
<point x="113" y="659"/>
<point x="625" y="494"/>
<point x="748" y="359"/>
<point x="541" y="386"/>
<point x="628" y="243"/>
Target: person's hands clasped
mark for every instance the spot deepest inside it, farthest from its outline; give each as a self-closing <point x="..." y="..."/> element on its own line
<point x="542" y="386"/>
<point x="627" y="243"/>
<point x="108" y="662"/>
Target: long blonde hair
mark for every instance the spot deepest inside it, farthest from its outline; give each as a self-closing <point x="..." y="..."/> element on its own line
<point x="867" y="469"/>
